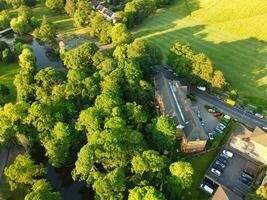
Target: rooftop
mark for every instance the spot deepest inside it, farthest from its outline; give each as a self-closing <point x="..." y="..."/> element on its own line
<point x="223" y="193"/>
<point x="177" y="106"/>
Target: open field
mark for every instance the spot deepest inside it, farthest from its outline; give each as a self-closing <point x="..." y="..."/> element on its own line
<point x="232" y="33"/>
<point x="7" y="75"/>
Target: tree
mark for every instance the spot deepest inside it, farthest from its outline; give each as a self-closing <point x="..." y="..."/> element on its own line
<point x="112" y="185"/>
<point x="70" y="7"/>
<point x="25" y="12"/>
<point x="4" y="19"/>
<point x="12" y="121"/>
<point x="163" y="132"/>
<point x="42" y="190"/>
<point x="20" y="25"/>
<point x="46" y="32"/>
<point x="24" y="81"/>
<point x="4" y="91"/>
<point x="59" y="144"/>
<point x="145" y="193"/>
<point x="120" y="34"/>
<point x="262" y="192"/>
<point x="56" y="6"/>
<point x="183" y="172"/>
<point x="83" y="13"/>
<point x="149" y="161"/>
<point x="218" y="79"/>
<point x="7" y="55"/>
<point x="80" y="57"/>
<point x="23" y="171"/>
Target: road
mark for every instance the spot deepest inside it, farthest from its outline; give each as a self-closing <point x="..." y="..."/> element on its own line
<point x="238" y="114"/>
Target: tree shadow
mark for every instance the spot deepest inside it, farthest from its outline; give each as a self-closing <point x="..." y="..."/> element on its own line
<point x="243" y="61"/>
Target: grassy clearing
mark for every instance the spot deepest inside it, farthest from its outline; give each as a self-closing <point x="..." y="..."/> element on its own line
<point x="7" y="75"/>
<point x="200" y="164"/>
<point x="240" y="54"/>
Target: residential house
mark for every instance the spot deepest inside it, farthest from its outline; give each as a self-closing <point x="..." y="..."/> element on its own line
<point x="107" y="13"/>
<point x="253" y="144"/>
<point x="173" y="102"/>
<point x="223" y="193"/>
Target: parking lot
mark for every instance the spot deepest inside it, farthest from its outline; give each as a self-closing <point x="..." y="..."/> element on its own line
<point x="231" y="173"/>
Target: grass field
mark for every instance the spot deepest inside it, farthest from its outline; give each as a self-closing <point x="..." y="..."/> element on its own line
<point x="7" y="75"/>
<point x="232" y="33"/>
<point x="200" y="165"/>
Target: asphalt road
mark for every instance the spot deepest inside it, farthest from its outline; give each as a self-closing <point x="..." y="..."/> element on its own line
<point x="238" y="114"/>
<point x="3" y="159"/>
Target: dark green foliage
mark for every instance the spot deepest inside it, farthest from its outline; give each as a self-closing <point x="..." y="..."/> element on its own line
<point x="4" y="19"/>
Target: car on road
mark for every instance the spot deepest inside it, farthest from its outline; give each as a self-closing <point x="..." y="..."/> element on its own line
<point x="259" y="115"/>
<point x="216" y="172"/>
<point x="229" y="154"/>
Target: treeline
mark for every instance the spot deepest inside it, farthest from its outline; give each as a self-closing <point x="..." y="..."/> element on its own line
<point x="197" y="68"/>
<point x="100" y="111"/>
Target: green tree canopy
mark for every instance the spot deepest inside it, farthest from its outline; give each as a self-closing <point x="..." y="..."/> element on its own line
<point x="120" y="35"/>
<point x="23" y="172"/>
<point x="46" y="32"/>
<point x="145" y="193"/>
<point x="55" y="5"/>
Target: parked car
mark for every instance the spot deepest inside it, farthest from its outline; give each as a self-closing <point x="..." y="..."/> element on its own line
<point x="259" y="115"/>
<point x="207" y="188"/>
<point x="245" y="175"/>
<point x="216" y="172"/>
<point x="211" y="136"/>
<point x="248" y="173"/>
<point x="218" y="130"/>
<point x="229" y="154"/>
<point x="211" y="110"/>
<point x="222" y="160"/>
<point x="218" y="167"/>
<point x="202" y="88"/>
<point x="227" y="117"/>
<point x="217" y="114"/>
<point x="244" y="180"/>
<point x="220" y="163"/>
<point x="264" y="127"/>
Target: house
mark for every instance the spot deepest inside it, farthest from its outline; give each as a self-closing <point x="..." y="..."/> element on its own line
<point x="223" y="193"/>
<point x="253" y="144"/>
<point x="108" y="14"/>
<point x="173" y="102"/>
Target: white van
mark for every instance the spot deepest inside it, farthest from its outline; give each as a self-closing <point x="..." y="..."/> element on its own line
<point x="216" y="172"/>
<point x="206" y="188"/>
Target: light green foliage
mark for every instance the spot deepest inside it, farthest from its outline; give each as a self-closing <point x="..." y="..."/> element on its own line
<point x="24" y="81"/>
<point x="70" y="7"/>
<point x="20" y="25"/>
<point x="83" y="13"/>
<point x="80" y="57"/>
<point x="120" y="35"/>
<point x="262" y="192"/>
<point x="45" y="80"/>
<point x="183" y="172"/>
<point x="145" y="193"/>
<point x="46" y="32"/>
<point x="58" y="145"/>
<point x="56" y="6"/>
<point x="149" y="161"/>
<point x="11" y="120"/>
<point x="111" y="186"/>
<point x="163" y="132"/>
<point x="23" y="172"/>
<point x="4" y="19"/>
<point x="101" y="28"/>
<point x="25" y="12"/>
<point x="42" y="190"/>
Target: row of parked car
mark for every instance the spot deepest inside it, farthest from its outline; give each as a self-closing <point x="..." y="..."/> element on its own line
<point x="246" y="177"/>
<point x="221" y="162"/>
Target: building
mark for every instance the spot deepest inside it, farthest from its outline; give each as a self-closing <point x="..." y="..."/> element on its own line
<point x="173" y="102"/>
<point x="253" y="144"/>
<point x="107" y="13"/>
<point x="223" y="193"/>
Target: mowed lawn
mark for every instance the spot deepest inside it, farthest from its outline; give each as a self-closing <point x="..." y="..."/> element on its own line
<point x="214" y="29"/>
<point x="7" y="76"/>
